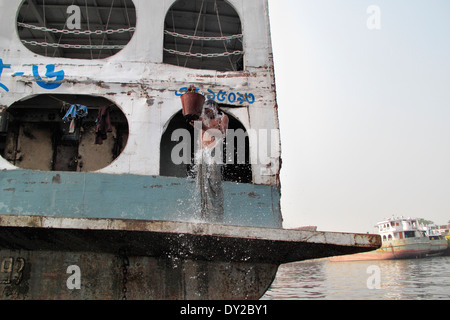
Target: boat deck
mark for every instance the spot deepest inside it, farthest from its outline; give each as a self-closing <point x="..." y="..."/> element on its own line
<point x="157" y="260"/>
<point x="193" y="240"/>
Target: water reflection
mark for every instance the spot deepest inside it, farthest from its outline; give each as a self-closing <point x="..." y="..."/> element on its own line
<point x="399" y="279"/>
<point x="308" y="278"/>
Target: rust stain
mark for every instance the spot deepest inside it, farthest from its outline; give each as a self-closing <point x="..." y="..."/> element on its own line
<point x="197" y="230"/>
<point x="56" y="179"/>
<point x="261" y="204"/>
<point x="237" y="75"/>
<point x="101" y="84"/>
<point x="136" y="225"/>
<point x="253" y="195"/>
<point x="158" y="186"/>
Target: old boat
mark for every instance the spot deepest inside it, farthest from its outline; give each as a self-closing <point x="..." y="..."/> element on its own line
<point x="97" y="198"/>
<point x="402" y="238"/>
<point x="447" y="252"/>
<point x="438" y="242"/>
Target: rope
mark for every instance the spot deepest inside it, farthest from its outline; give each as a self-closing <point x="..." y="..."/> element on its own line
<point x="45" y="20"/>
<point x="195" y="32"/>
<point x="216" y="8"/>
<point x="175" y="39"/>
<point x="107" y="25"/>
<point x="87" y="17"/>
<point x="60" y="36"/>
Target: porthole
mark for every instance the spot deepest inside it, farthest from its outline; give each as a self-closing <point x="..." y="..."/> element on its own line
<point x="77" y="29"/>
<point x="234" y="169"/>
<point x="203" y="34"/>
<point x="63" y="133"/>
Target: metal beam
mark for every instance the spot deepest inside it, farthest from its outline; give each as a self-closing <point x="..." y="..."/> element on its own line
<point x="199" y="241"/>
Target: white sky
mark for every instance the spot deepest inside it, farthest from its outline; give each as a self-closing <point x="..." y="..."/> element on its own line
<point x="365" y="114"/>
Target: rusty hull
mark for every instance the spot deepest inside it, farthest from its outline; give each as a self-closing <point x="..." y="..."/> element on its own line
<point x="135" y="259"/>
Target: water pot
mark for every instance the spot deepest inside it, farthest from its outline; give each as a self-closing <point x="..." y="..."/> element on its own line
<point x="192" y="104"/>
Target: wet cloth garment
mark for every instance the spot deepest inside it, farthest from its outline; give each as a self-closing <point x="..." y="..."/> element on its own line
<point x="76" y="111"/>
<point x="210" y="183"/>
<point x="103" y="125"/>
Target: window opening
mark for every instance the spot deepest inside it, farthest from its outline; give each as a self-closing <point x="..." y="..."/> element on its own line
<point x="203" y="34"/>
<point x="234" y="170"/>
<point x="78" y="29"/>
<point x="63" y="133"/>
<point x="410" y="234"/>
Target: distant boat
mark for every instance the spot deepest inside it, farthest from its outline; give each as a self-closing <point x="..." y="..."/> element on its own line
<point x="447" y="252"/>
<point x="402" y="238"/>
<point x="438" y="242"/>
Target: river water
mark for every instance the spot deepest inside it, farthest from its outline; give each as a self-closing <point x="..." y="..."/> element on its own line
<point x="421" y="279"/>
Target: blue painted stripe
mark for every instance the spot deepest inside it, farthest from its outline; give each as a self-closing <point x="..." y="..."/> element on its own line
<point x="96" y="195"/>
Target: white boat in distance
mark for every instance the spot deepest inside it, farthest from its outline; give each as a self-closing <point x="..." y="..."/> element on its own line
<point x="438" y="242"/>
<point x="402" y="238"/>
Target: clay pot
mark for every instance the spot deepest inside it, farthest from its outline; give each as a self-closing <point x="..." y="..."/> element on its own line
<point x="192" y="103"/>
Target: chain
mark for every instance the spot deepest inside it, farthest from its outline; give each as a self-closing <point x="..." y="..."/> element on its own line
<point x="186" y="36"/>
<point x="78" y="32"/>
<point x="125" y="265"/>
<point x="204" y="55"/>
<point x="74" y="46"/>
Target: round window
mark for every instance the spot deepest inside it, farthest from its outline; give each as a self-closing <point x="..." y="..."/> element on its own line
<point x="84" y="29"/>
<point x="63" y="133"/>
<point x="203" y="34"/>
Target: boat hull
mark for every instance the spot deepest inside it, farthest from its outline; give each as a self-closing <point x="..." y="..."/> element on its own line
<point x="130" y="196"/>
<point x="447" y="251"/>
<point x="43" y="257"/>
<point x="397" y="249"/>
<point x="437" y="247"/>
<point x="51" y="275"/>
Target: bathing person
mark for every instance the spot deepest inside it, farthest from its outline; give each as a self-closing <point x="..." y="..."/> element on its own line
<point x="214" y="125"/>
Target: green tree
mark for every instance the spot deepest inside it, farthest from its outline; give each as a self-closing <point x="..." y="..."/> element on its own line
<point x="425" y="222"/>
